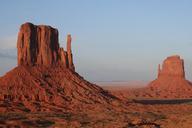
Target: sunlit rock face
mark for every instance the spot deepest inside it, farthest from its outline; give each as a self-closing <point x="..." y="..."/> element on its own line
<point x="173" y="66"/>
<point x="39" y="45"/>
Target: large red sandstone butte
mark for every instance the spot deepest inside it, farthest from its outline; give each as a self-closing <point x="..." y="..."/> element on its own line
<point x="173" y="66"/>
<point x="171" y="80"/>
<point x="45" y="78"/>
<point x="39" y="45"/>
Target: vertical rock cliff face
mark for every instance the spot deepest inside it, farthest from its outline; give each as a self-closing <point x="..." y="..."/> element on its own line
<point x="38" y="45"/>
<point x="172" y="67"/>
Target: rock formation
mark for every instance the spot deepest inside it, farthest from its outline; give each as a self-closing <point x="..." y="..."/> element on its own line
<point x="69" y="53"/>
<point x="45" y="78"/>
<point x="39" y="45"/>
<point x="173" y="66"/>
<point x="171" y="80"/>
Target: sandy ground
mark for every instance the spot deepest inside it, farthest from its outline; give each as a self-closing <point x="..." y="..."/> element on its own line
<point x="125" y="85"/>
<point x="168" y="113"/>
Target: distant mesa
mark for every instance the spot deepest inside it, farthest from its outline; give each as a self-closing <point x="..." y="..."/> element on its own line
<point x="39" y="45"/>
<point x="173" y="66"/>
<point x="171" y="81"/>
<point x="169" y="84"/>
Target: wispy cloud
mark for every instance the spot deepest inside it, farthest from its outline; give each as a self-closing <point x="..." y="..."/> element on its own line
<point x="8" y="47"/>
<point x="8" y="53"/>
<point x="8" y="42"/>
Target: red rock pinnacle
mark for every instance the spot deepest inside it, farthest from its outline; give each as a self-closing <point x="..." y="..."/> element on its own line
<point x="69" y="53"/>
<point x="39" y="45"/>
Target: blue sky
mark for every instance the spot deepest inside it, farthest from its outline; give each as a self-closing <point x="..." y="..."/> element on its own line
<point x="113" y="40"/>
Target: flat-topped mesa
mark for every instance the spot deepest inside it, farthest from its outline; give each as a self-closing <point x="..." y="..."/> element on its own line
<point x="173" y="66"/>
<point x="39" y="45"/>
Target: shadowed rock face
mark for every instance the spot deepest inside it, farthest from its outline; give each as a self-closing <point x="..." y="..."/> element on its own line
<point x="38" y="45"/>
<point x="173" y="66"/>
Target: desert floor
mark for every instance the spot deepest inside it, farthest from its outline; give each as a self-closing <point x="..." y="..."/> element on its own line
<point x="133" y="113"/>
